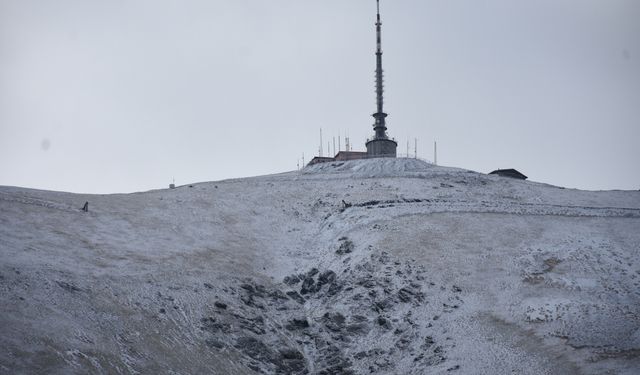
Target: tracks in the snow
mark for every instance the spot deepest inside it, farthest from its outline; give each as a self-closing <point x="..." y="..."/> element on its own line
<point x="440" y="205"/>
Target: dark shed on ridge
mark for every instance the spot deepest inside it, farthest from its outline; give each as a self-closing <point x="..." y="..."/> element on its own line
<point x="509" y="173"/>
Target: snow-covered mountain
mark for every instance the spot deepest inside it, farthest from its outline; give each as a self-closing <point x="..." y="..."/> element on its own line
<point x="387" y="266"/>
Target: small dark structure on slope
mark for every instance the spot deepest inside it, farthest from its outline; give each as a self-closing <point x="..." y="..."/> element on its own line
<point x="321" y="159"/>
<point x="350" y="155"/>
<point x="509" y="173"/>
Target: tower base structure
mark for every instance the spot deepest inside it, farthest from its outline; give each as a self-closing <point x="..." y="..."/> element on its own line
<point x="381" y="148"/>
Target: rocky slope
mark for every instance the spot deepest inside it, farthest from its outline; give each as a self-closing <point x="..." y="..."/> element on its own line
<point x="373" y="266"/>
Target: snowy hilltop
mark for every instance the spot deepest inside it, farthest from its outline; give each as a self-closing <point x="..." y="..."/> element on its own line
<point x="381" y="266"/>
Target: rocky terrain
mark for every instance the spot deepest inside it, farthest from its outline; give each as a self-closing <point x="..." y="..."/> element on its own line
<point x="365" y="267"/>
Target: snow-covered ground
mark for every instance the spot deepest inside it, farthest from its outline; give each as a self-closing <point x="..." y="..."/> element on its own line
<point x="384" y="266"/>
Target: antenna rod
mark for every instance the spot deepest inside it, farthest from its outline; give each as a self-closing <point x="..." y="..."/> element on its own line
<point x="435" y="152"/>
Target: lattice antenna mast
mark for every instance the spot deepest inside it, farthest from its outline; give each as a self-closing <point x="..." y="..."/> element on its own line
<point x="380" y="125"/>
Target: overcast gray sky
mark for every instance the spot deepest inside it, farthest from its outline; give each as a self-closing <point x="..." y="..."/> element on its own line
<point x="120" y="96"/>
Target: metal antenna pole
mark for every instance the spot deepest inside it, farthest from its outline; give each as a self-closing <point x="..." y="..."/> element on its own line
<point x="435" y="152"/>
<point x="380" y="125"/>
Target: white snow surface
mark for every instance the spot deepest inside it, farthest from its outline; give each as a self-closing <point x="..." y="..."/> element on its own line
<point x="383" y="266"/>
